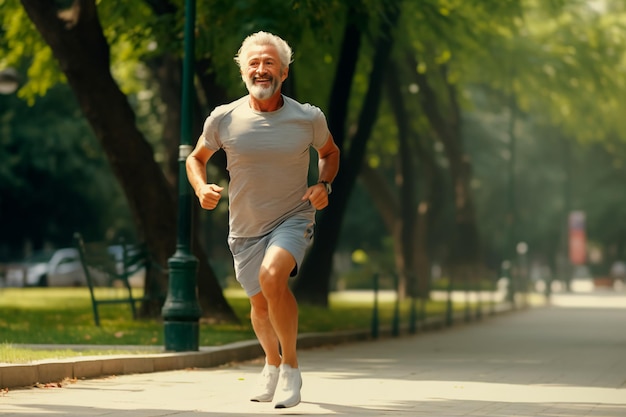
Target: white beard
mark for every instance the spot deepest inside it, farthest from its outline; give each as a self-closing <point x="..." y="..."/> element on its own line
<point x="260" y="92"/>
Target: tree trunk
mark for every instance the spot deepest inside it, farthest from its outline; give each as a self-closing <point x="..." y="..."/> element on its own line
<point x="383" y="197"/>
<point x="313" y="281"/>
<point x="313" y="284"/>
<point x="79" y="45"/>
<point x="166" y="69"/>
<point x="406" y="220"/>
<point x="465" y="248"/>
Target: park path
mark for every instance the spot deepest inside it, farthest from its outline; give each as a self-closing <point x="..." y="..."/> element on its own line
<point x="568" y="359"/>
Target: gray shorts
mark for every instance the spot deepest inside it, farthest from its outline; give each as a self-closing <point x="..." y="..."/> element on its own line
<point x="294" y="235"/>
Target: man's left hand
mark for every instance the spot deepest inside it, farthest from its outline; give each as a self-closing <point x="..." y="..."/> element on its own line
<point x="317" y="195"/>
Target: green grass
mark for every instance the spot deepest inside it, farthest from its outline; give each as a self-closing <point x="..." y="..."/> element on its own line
<point x="20" y="355"/>
<point x="63" y="316"/>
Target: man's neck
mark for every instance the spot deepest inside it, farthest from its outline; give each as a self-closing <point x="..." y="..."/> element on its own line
<point x="271" y="104"/>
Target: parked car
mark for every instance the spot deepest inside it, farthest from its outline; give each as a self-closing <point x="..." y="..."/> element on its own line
<point x="59" y="268"/>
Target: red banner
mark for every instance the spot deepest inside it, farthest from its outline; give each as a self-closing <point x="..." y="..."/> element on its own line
<point x="577" y="238"/>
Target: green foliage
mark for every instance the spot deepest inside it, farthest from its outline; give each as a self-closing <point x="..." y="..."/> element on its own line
<point x="558" y="63"/>
<point x="554" y="62"/>
<point x="362" y="227"/>
<point x="54" y="178"/>
<point x="23" y="47"/>
<point x="553" y="175"/>
<point x="560" y="66"/>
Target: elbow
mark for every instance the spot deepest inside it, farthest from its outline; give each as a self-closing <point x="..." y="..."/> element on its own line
<point x="336" y="154"/>
<point x="188" y="163"/>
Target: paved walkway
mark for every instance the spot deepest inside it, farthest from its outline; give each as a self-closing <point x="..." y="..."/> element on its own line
<point x="565" y="360"/>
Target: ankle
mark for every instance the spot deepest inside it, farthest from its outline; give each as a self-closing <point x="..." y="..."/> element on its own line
<point x="273" y="362"/>
<point x="292" y="364"/>
<point x="290" y="359"/>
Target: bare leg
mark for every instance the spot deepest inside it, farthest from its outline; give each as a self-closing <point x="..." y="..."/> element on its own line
<point x="266" y="384"/>
<point x="282" y="307"/>
<point x="259" y="316"/>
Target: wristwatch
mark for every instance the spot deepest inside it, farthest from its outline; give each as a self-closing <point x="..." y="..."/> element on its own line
<point x="329" y="188"/>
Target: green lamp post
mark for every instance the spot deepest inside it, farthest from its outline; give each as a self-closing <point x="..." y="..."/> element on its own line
<point x="181" y="311"/>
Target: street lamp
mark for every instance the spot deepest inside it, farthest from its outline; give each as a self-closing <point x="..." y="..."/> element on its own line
<point x="9" y="81"/>
<point x="512" y="203"/>
<point x="181" y="310"/>
<point x="522" y="249"/>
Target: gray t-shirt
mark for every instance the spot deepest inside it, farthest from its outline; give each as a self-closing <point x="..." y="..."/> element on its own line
<point x="267" y="159"/>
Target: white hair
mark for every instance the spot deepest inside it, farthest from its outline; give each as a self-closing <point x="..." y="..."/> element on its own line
<point x="265" y="38"/>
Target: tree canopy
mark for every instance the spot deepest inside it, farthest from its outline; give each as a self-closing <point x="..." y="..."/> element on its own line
<point x="470" y="125"/>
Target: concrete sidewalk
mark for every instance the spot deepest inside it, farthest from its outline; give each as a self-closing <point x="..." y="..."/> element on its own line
<point x="565" y="360"/>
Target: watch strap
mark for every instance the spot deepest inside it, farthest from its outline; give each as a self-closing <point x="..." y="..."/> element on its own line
<point x="329" y="188"/>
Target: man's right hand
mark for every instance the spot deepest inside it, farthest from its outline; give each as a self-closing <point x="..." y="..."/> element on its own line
<point x="209" y="195"/>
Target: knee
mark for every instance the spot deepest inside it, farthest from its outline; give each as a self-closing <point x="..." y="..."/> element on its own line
<point x="272" y="284"/>
<point x="259" y="306"/>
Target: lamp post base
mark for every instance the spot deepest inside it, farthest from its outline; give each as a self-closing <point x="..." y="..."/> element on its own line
<point x="181" y="336"/>
<point x="181" y="311"/>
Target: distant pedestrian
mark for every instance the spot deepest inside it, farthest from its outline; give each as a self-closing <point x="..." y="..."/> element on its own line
<point x="266" y="137"/>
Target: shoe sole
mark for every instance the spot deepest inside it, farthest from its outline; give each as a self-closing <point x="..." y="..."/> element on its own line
<point x="287" y="405"/>
<point x="295" y="402"/>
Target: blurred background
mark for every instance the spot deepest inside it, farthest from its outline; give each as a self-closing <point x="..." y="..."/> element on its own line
<point x="481" y="140"/>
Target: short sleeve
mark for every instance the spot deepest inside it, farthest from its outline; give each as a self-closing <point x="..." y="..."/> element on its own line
<point x="210" y="132"/>
<point x="320" y="128"/>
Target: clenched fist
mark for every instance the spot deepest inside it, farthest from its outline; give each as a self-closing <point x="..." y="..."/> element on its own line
<point x="209" y="195"/>
<point x="317" y="195"/>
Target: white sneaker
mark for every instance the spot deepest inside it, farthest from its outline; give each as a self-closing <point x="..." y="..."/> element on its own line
<point x="266" y="383"/>
<point x="288" y="391"/>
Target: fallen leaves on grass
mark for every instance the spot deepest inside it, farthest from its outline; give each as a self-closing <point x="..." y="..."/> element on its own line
<point x="49" y="385"/>
<point x="55" y="384"/>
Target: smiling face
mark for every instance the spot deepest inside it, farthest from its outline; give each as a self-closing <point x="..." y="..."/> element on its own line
<point x="262" y="72"/>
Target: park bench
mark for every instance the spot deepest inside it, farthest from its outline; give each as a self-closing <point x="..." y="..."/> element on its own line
<point x="112" y="266"/>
